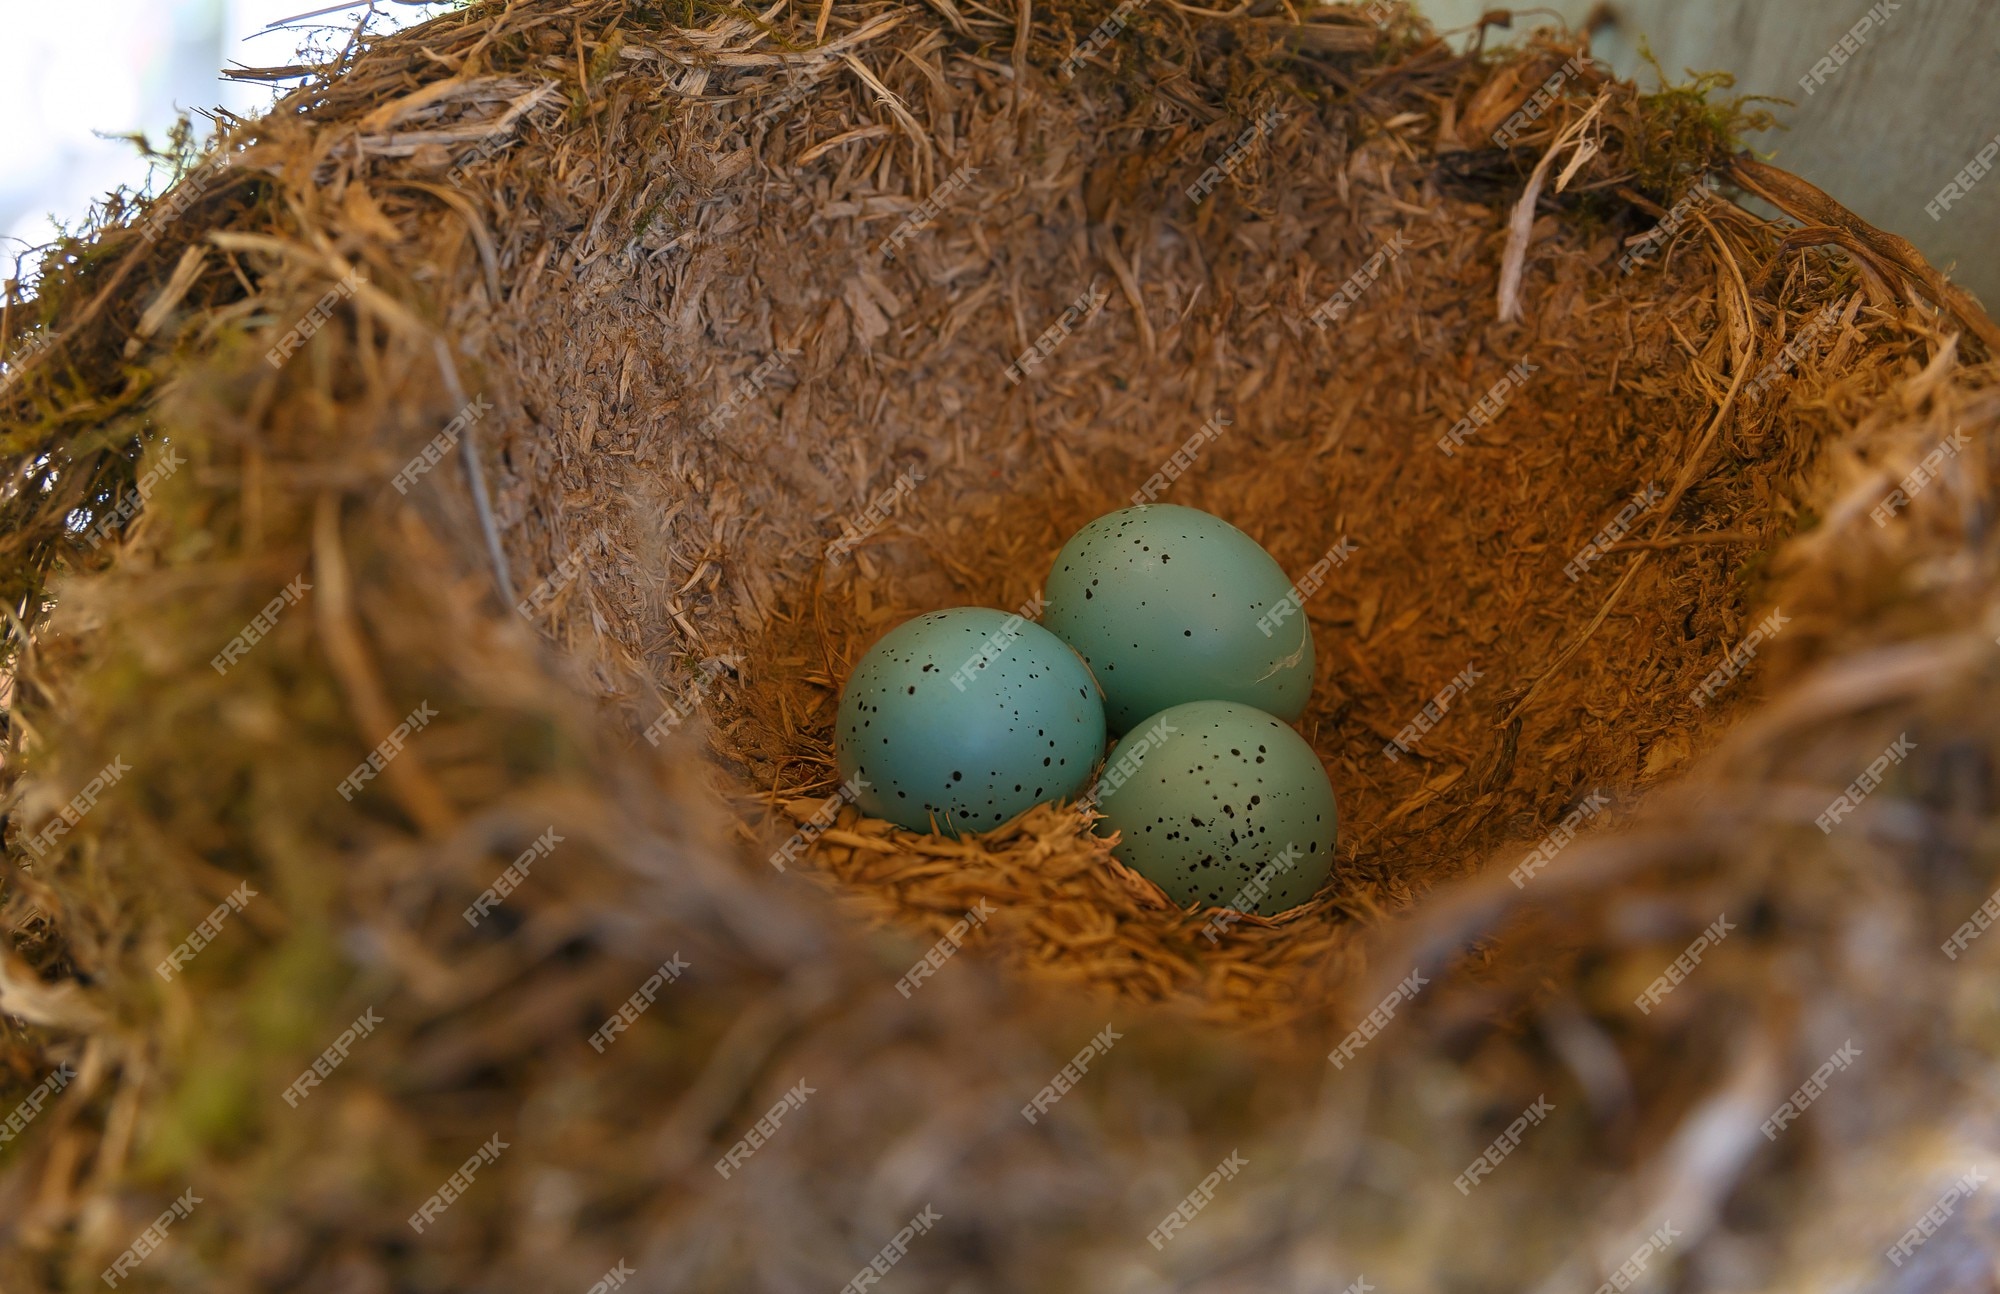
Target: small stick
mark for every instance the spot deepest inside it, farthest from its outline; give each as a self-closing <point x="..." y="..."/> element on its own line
<point x="1676" y="541"/>
<point x="475" y="474"/>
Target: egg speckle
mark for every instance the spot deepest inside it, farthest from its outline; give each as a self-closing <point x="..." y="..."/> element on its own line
<point x="1171" y="604"/>
<point x="959" y="720"/>
<point x="1221" y="805"/>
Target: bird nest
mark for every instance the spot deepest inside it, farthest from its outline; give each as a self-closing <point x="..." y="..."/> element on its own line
<point x="439" y="525"/>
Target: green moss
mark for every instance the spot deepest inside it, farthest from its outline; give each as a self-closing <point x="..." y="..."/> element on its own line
<point x="1690" y="128"/>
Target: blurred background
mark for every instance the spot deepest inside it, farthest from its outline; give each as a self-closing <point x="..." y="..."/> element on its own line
<point x="75" y="75"/>
<point x="1884" y="131"/>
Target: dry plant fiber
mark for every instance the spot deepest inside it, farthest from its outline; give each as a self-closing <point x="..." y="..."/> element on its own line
<point x="437" y="528"/>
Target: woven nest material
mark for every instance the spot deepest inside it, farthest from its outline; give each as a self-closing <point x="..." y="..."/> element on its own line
<point x="550" y="402"/>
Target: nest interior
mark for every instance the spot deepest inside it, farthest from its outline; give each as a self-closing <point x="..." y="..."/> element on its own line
<point x="702" y="427"/>
<point x="723" y="442"/>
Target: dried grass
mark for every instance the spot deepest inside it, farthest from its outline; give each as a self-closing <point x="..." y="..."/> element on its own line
<point x="590" y="216"/>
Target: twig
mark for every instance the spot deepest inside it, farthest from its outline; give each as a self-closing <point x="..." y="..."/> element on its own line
<point x="1520" y="226"/>
<point x="475" y="474"/>
<point x="1678" y="541"/>
<point x="1128" y="281"/>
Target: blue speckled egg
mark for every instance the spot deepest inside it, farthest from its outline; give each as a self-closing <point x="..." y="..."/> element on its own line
<point x="1171" y="604"/>
<point x="1223" y="805"/>
<point x="958" y="720"/>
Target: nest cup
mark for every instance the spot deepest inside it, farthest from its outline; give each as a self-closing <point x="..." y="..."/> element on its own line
<point x="443" y="521"/>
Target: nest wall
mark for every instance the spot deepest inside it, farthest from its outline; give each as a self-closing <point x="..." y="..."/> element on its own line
<point x="645" y="249"/>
